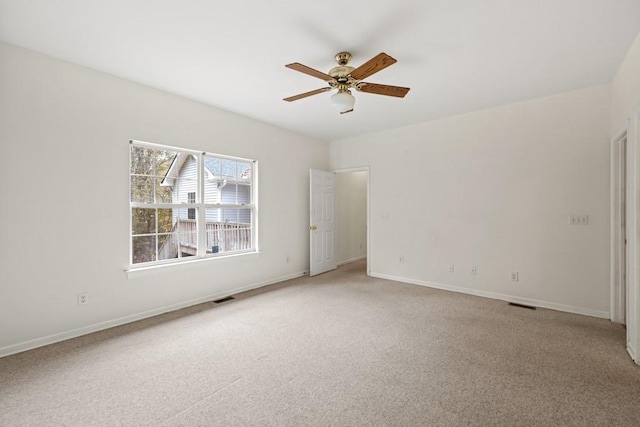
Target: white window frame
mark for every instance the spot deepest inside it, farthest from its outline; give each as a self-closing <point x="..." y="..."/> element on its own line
<point x="200" y="206"/>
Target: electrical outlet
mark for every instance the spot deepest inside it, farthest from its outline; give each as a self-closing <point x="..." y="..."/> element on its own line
<point x="579" y="219"/>
<point x="452" y="268"/>
<point x="515" y="276"/>
<point x="401" y="260"/>
<point x="474" y="271"/>
<point x="83" y="298"/>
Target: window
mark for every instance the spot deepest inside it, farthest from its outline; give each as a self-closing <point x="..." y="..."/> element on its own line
<point x="185" y="203"/>
<point x="191" y="199"/>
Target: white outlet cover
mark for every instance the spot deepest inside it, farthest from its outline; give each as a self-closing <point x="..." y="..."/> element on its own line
<point x="83" y="298"/>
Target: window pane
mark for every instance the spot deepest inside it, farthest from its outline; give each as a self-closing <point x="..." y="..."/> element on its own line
<point x="244" y="172"/>
<point x="228" y="235"/>
<point x="228" y="194"/>
<point x="212" y="186"/>
<point x="163" y="159"/>
<point x="142" y="160"/>
<point x="165" y="220"/>
<point x="231" y="182"/>
<point x="245" y="216"/>
<point x="229" y="169"/>
<point x="236" y="216"/>
<point x="188" y="243"/>
<point x="144" y="249"/>
<point x="164" y="192"/>
<point x="244" y="194"/>
<point x="142" y="189"/>
<point x="167" y="246"/>
<point x="143" y="221"/>
<point x="214" y="232"/>
<point x="235" y="194"/>
<point x="213" y="165"/>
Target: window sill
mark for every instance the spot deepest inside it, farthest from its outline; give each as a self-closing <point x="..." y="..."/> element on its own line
<point x="134" y="272"/>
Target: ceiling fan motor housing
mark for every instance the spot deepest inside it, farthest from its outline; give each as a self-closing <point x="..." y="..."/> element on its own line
<point x="341" y="73"/>
<point x="343" y="58"/>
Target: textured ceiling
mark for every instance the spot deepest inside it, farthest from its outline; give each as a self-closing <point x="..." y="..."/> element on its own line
<point x="456" y="55"/>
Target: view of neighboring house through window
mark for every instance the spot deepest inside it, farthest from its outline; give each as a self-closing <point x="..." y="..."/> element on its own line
<point x="186" y="203"/>
<point x="191" y="199"/>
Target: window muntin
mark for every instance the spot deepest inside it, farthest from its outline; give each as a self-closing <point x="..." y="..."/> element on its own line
<point x="186" y="204"/>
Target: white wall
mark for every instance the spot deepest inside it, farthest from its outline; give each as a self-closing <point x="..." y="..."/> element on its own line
<point x="351" y="196"/>
<point x="64" y="131"/>
<point x="625" y="89"/>
<point x="494" y="189"/>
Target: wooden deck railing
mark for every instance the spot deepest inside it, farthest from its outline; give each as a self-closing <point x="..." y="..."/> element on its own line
<point x="221" y="237"/>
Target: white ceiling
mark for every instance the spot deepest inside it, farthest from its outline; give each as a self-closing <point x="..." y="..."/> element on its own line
<point x="455" y="55"/>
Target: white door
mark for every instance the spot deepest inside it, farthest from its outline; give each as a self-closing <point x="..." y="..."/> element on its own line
<point x="322" y="222"/>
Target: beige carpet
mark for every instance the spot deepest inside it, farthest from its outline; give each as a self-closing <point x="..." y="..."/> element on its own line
<point x="337" y="349"/>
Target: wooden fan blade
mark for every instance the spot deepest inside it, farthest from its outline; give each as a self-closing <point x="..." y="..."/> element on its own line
<point x="372" y="66"/>
<point x="304" y="95"/>
<point x="310" y="71"/>
<point x="387" y="90"/>
<point x="345" y="112"/>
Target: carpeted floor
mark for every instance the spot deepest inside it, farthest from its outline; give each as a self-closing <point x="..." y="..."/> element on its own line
<point x="336" y="349"/>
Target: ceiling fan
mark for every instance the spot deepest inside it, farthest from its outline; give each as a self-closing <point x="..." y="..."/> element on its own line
<point x="344" y="78"/>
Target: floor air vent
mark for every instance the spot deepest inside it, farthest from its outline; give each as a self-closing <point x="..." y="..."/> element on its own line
<point x="221" y="300"/>
<point x="515" y="304"/>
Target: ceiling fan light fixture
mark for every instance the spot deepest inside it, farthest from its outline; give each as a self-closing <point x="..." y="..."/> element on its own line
<point x="343" y="101"/>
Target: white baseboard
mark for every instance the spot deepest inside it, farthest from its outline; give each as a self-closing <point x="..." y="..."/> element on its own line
<point x="494" y="295"/>
<point x="62" y="336"/>
<point x="632" y="353"/>
<point x="350" y="260"/>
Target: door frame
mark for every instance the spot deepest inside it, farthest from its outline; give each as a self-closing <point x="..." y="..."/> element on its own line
<point x="633" y="241"/>
<point x="368" y="171"/>
<point x="619" y="174"/>
<point x="632" y="133"/>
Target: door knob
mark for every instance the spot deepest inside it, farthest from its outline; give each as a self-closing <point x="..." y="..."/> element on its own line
<point x="313" y="227"/>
